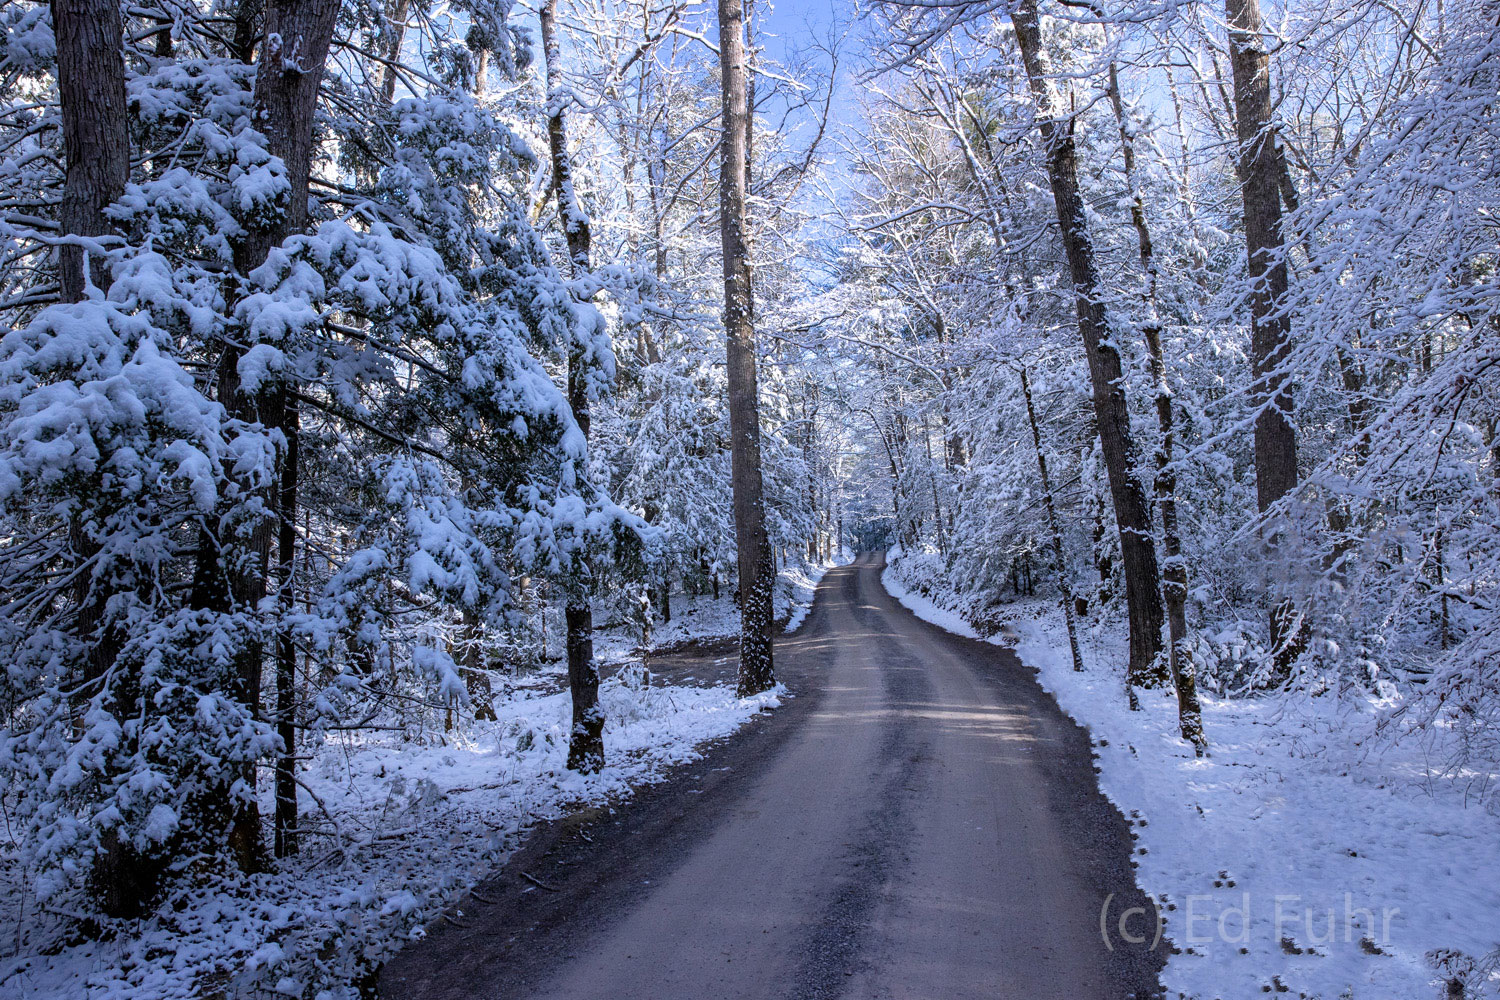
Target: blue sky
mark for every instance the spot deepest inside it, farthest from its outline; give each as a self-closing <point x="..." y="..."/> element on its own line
<point x="789" y="27"/>
<point x="792" y="19"/>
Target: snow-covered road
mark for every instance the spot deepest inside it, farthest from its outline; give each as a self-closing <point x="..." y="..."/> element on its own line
<point x="931" y="827"/>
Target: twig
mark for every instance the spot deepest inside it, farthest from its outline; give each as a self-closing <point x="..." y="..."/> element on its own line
<point x="539" y="883"/>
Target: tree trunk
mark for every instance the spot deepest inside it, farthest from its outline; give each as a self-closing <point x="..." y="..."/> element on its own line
<point x="482" y="74"/>
<point x="285" y="825"/>
<point x="656" y="173"/>
<point x="1174" y="575"/>
<point x="937" y="504"/>
<point x="586" y="745"/>
<point x="1260" y="181"/>
<point x="1052" y="524"/>
<point x="396" y="22"/>
<point x="91" y="84"/>
<point x="96" y="147"/>
<point x="476" y="679"/>
<point x="1132" y="512"/>
<point x="1104" y="563"/>
<point x="286" y="95"/>
<point x="809" y="417"/>
<point x="756" y="568"/>
<point x="246" y="30"/>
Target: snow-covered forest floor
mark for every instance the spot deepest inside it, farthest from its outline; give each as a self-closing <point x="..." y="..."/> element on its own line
<point x="1310" y="853"/>
<point x="698" y="618"/>
<point x="404" y="822"/>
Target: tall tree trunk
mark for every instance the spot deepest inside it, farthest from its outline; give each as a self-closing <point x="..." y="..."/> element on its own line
<point x="756" y="566"/>
<point x="1260" y="171"/>
<point x="1132" y="512"/>
<point x="808" y="418"/>
<point x="1052" y="524"/>
<point x="285" y="825"/>
<point x="1174" y="568"/>
<point x="586" y="745"/>
<point x="937" y="504"/>
<point x="482" y="74"/>
<point x="233" y="560"/>
<point x="96" y="146"/>
<point x="396" y="23"/>
<point x="656" y="172"/>
<point x="476" y="677"/>
<point x="747" y="11"/>
<point x="91" y="83"/>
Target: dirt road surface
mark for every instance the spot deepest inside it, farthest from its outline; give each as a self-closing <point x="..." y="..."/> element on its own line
<point x="922" y="821"/>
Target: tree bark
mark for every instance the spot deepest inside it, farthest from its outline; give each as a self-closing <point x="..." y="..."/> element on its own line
<point x="476" y="678"/>
<point x="1174" y="575"/>
<point x="285" y="824"/>
<point x="1132" y="512"/>
<point x="1260" y="172"/>
<point x="756" y="566"/>
<point x="586" y="744"/>
<point x="396" y="22"/>
<point x="96" y="146"/>
<point x="1052" y="524"/>
<point x="96" y="149"/>
<point x="293" y="51"/>
<point x="91" y="83"/>
<point x="809" y="418"/>
<point x="292" y="55"/>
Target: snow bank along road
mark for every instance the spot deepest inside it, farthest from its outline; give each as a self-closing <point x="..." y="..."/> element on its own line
<point x="921" y="822"/>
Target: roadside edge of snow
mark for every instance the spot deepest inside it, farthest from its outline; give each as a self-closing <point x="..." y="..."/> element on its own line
<point x="1286" y="860"/>
<point x="804" y="583"/>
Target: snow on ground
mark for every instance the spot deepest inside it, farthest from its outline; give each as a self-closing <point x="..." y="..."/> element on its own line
<point x="402" y="828"/>
<point x="1301" y="856"/>
<point x="702" y="618"/>
<point x="924" y="607"/>
<point x="800" y="584"/>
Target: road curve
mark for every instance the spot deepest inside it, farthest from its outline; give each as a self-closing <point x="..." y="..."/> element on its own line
<point x="929" y="827"/>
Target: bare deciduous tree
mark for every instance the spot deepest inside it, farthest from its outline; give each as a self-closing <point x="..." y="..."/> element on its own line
<point x="1260" y="173"/>
<point x="1132" y="512"/>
